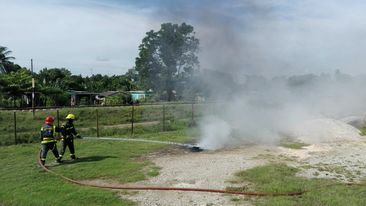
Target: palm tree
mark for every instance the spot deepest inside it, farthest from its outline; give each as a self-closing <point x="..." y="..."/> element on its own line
<point x="4" y="59"/>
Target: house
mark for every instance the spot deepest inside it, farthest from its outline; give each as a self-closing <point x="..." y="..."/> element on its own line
<point x="82" y="98"/>
<point x="103" y="97"/>
<point x="106" y="98"/>
<point x="122" y="96"/>
<point x="137" y="95"/>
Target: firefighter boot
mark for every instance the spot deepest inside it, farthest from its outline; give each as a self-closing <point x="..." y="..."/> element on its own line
<point x="58" y="160"/>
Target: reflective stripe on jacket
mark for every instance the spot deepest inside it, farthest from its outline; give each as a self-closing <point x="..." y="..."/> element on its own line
<point x="48" y="133"/>
<point x="68" y="130"/>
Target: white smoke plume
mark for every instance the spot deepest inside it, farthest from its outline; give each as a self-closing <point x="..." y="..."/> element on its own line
<point x="306" y="107"/>
<point x="278" y="67"/>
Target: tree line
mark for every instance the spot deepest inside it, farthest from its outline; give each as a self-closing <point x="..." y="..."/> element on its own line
<point x="165" y="66"/>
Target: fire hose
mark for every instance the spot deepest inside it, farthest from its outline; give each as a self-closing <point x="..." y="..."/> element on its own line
<point x="140" y="140"/>
<point x="137" y="187"/>
<point x="166" y="188"/>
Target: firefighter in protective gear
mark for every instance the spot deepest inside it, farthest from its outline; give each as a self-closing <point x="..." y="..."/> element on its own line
<point x="48" y="139"/>
<point x="68" y="133"/>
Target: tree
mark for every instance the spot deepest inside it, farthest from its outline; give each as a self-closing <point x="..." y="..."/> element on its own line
<point x="97" y="83"/>
<point x="54" y="77"/>
<point x="131" y="80"/>
<point x="54" y="84"/>
<point x="100" y="83"/>
<point x="11" y="67"/>
<point x="74" y="82"/>
<point x="14" y="84"/>
<point x="5" y="63"/>
<point x="53" y="96"/>
<point x="167" y="59"/>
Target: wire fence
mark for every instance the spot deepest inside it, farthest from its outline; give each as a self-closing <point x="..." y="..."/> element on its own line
<point x="23" y="126"/>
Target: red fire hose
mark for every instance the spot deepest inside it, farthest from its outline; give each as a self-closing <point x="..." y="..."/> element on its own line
<point x="258" y="194"/>
<point x="168" y="188"/>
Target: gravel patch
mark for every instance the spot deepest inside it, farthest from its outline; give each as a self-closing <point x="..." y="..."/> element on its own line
<point x="344" y="161"/>
<point x="208" y="169"/>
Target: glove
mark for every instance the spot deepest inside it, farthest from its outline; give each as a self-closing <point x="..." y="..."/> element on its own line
<point x="78" y="136"/>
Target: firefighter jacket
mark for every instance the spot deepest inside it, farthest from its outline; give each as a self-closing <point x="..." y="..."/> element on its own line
<point x="48" y="133"/>
<point x="68" y="130"/>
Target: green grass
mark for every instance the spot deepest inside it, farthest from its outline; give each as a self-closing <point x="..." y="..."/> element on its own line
<point x="363" y="131"/>
<point x="24" y="183"/>
<point x="281" y="178"/>
<point x="292" y="144"/>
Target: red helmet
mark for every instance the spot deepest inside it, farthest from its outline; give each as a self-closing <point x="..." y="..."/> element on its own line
<point x="49" y="120"/>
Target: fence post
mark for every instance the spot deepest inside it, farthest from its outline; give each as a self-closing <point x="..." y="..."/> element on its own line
<point x="96" y="110"/>
<point x="15" y="128"/>
<point x="58" y="118"/>
<point x="33" y="90"/>
<point x="132" y="117"/>
<point x="163" y="117"/>
<point x="193" y="123"/>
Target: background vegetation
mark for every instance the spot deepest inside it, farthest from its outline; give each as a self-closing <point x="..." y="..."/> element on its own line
<point x="166" y="63"/>
<point x="111" y="120"/>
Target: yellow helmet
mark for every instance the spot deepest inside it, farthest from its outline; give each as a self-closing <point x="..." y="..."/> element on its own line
<point x="70" y="116"/>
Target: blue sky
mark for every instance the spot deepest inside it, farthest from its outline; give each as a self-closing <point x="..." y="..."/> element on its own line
<point x="267" y="37"/>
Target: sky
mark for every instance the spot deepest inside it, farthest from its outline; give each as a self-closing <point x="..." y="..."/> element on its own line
<point x="261" y="37"/>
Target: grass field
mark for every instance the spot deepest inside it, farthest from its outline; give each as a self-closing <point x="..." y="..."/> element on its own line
<point x="25" y="183"/>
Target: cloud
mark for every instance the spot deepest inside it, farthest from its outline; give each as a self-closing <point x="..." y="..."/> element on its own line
<point x="275" y="37"/>
<point x="71" y="35"/>
<point x="102" y="59"/>
<point x="268" y="37"/>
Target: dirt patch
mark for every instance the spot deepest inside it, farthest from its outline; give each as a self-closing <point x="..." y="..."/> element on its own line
<point x="344" y="161"/>
<point x="166" y="151"/>
<point x="208" y="169"/>
<point x="322" y="130"/>
<point x="306" y="151"/>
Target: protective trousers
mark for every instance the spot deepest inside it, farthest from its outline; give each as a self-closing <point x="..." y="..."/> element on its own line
<point x="49" y="146"/>
<point x="68" y="142"/>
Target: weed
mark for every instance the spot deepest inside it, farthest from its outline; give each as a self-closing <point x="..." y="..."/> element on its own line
<point x="292" y="144"/>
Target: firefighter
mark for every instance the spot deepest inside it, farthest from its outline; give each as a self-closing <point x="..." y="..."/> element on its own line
<point x="48" y="139"/>
<point x="68" y="133"/>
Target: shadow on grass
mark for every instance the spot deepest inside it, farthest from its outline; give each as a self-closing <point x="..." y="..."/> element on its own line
<point x="94" y="158"/>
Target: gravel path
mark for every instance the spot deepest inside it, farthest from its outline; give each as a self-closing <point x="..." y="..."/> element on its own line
<point x="345" y="161"/>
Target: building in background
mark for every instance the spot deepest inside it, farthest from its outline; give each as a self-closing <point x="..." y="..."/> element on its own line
<point x="137" y="96"/>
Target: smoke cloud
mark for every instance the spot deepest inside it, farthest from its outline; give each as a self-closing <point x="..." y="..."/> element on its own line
<point x="273" y="38"/>
<point x="304" y="107"/>
<point x="278" y="68"/>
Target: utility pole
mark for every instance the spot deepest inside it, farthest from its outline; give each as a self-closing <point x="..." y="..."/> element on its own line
<point x="33" y="88"/>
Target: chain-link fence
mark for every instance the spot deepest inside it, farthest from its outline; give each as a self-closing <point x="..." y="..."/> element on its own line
<point x="23" y="127"/>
